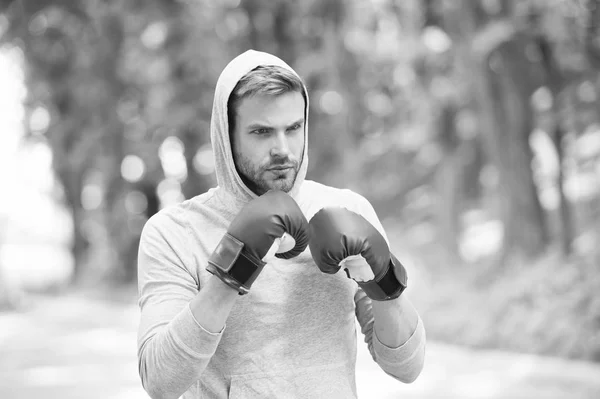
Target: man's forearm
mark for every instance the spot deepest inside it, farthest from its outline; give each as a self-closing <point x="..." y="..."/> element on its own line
<point x="399" y="338"/>
<point x="174" y="359"/>
<point x="395" y="321"/>
<point x="213" y="304"/>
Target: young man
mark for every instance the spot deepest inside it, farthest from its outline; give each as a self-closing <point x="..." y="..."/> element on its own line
<point x="220" y="316"/>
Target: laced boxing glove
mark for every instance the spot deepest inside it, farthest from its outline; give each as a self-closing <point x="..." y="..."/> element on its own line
<point x="238" y="258"/>
<point x="340" y="237"/>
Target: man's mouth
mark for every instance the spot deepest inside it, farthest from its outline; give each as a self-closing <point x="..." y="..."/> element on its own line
<point x="281" y="167"/>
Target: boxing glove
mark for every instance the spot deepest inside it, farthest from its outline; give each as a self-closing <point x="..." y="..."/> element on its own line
<point x="238" y="258"/>
<point x="339" y="236"/>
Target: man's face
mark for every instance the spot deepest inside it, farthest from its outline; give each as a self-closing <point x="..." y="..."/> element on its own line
<point x="268" y="141"/>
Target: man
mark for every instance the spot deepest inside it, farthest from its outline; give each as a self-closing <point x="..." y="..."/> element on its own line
<point x="221" y="317"/>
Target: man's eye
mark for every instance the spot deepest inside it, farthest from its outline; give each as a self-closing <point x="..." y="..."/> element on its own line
<point x="261" y="131"/>
<point x="295" y="127"/>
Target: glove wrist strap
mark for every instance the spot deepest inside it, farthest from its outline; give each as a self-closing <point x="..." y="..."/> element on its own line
<point x="234" y="266"/>
<point x="389" y="285"/>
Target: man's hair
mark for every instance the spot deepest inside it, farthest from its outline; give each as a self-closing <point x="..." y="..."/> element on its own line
<point x="263" y="80"/>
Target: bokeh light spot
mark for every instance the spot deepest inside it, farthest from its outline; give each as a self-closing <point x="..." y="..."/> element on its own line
<point x="132" y="168"/>
<point x="172" y="158"/>
<point x="136" y="202"/>
<point x="39" y="120"/>
<point x="436" y="39"/>
<point x="378" y="103"/>
<point x="331" y="102"/>
<point x="38" y="24"/>
<point x="154" y="35"/>
<point x="169" y="192"/>
<point x="542" y="99"/>
<point x="91" y="197"/>
<point x="204" y="162"/>
<point x="587" y="92"/>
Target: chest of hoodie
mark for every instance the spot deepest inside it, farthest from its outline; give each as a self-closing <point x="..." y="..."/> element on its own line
<point x="294" y="316"/>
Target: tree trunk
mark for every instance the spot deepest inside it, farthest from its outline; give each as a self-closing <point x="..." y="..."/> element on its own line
<point x="525" y="224"/>
<point x="566" y="218"/>
<point x="10" y="296"/>
<point x="449" y="182"/>
<point x="71" y="178"/>
<point x="80" y="244"/>
<point x="503" y="80"/>
<point x="557" y="84"/>
<point x="119" y="226"/>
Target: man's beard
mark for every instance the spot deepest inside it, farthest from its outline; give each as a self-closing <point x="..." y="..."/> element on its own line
<point x="260" y="180"/>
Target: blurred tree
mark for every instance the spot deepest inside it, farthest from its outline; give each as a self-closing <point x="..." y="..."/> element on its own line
<point x="424" y="107"/>
<point x="504" y="79"/>
<point x="561" y="77"/>
<point x="102" y="104"/>
<point x="46" y="33"/>
<point x="440" y="73"/>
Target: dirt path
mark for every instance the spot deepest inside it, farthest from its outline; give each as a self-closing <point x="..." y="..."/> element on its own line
<point x="73" y="347"/>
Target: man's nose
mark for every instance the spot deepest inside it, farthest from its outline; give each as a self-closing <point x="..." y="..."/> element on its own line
<point x="280" y="145"/>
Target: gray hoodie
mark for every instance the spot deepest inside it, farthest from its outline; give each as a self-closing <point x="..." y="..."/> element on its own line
<point x="293" y="336"/>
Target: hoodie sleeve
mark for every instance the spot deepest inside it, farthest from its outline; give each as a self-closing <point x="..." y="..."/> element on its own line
<point x="173" y="349"/>
<point x="405" y="362"/>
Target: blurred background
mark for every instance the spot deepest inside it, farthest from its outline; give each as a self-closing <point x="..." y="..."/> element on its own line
<point x="473" y="127"/>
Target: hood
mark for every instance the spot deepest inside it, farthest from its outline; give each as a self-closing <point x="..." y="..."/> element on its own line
<point x="229" y="182"/>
